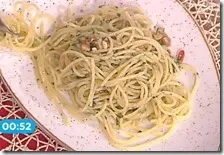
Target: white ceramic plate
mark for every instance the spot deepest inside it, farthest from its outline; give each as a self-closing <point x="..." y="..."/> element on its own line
<point x="200" y="132"/>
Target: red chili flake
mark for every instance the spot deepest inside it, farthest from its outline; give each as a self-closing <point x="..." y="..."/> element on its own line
<point x="180" y="56"/>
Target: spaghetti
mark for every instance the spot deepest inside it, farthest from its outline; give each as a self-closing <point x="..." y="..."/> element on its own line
<point x="112" y="65"/>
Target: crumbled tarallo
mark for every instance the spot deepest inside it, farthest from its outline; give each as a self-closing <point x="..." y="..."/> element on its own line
<point x="85" y="47"/>
<point x="161" y="36"/>
<point x="94" y="49"/>
<point x="165" y="40"/>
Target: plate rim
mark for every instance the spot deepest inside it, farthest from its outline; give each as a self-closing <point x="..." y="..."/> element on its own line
<point x="63" y="144"/>
<point x="204" y="38"/>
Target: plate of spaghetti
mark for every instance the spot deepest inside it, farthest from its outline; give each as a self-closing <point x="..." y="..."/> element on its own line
<point x="112" y="75"/>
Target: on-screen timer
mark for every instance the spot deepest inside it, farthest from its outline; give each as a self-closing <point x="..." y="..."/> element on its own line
<point x="17" y="126"/>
